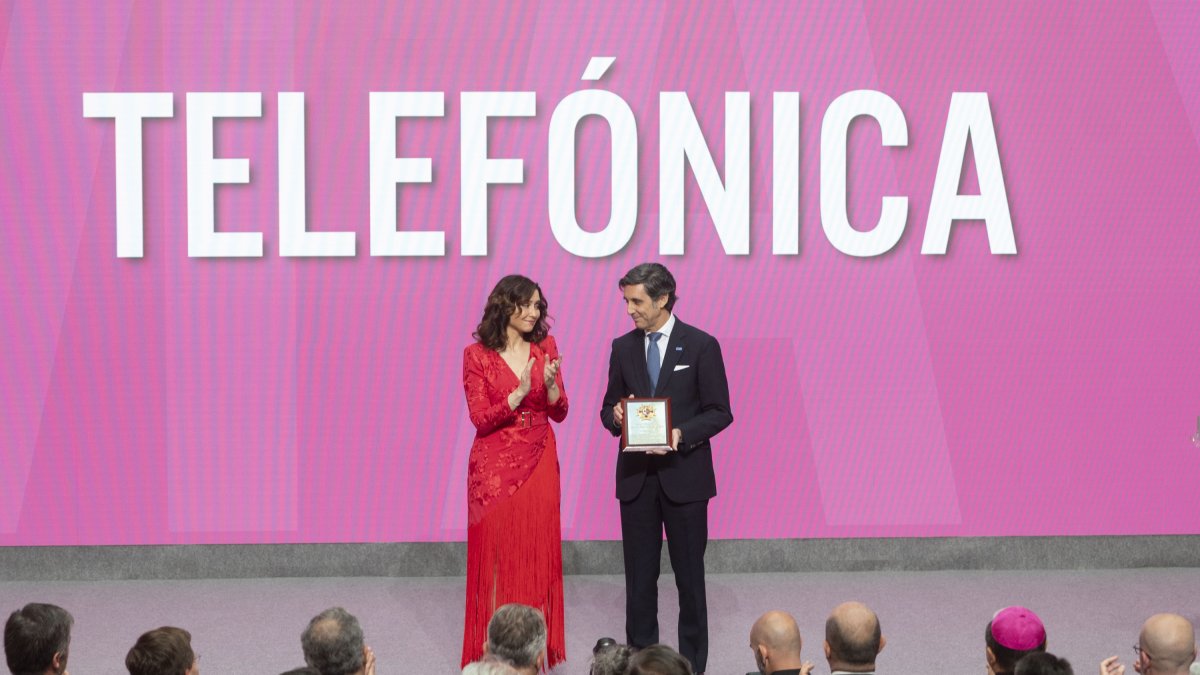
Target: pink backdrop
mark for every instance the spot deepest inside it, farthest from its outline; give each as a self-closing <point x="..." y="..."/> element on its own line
<point x="169" y="399"/>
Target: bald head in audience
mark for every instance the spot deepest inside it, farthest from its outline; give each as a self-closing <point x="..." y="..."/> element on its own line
<point x="1166" y="646"/>
<point x="853" y="638"/>
<point x="775" y="641"/>
<point x="1168" y="643"/>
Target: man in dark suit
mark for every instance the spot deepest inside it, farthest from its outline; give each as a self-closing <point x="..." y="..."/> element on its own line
<point x="663" y="357"/>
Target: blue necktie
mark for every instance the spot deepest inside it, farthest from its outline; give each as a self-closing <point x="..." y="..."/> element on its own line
<point x="653" y="362"/>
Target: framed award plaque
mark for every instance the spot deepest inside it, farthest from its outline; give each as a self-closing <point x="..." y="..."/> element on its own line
<point x="647" y="425"/>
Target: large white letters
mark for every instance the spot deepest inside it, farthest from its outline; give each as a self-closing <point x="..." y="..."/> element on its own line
<point x="205" y="172"/>
<point x="387" y="170"/>
<point x="128" y="110"/>
<point x="834" y="130"/>
<point x="477" y="170"/>
<point x="680" y="142"/>
<point x="970" y="116"/>
<point x="294" y="239"/>
<point x="561" y="169"/>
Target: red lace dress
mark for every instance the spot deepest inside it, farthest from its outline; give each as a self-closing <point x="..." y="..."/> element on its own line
<point x="514" y="550"/>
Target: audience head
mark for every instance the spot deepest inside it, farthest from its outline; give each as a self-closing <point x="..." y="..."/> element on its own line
<point x="611" y="659"/>
<point x="1012" y="633"/>
<point x="163" y="651"/>
<point x="1166" y="645"/>
<point x="306" y="670"/>
<point x="853" y="638"/>
<point x="775" y="641"/>
<point x="1042" y="663"/>
<point x="37" y="639"/>
<point x="333" y="643"/>
<point x="658" y="660"/>
<point x="517" y="634"/>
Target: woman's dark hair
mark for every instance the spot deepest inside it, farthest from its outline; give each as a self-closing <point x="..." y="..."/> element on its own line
<point x="510" y="293"/>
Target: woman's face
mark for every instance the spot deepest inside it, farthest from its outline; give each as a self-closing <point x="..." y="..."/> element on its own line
<point x="525" y="317"/>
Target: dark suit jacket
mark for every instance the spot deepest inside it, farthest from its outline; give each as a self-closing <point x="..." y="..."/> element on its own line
<point x="693" y="377"/>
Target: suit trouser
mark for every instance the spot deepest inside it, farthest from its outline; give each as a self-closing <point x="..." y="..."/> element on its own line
<point x="642" y="522"/>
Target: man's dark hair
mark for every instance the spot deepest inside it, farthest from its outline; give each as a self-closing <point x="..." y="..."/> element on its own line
<point x="851" y="649"/>
<point x="33" y="635"/>
<point x="333" y="643"/>
<point x="162" y="651"/>
<point x="517" y="634"/>
<point x="655" y="278"/>
<point x="1006" y="659"/>
<point x="658" y="660"/>
<point x="306" y="670"/>
<point x="1042" y="663"/>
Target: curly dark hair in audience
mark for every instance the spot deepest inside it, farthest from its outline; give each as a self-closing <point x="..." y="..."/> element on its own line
<point x="333" y="642"/>
<point x="658" y="660"/>
<point x="1042" y="663"/>
<point x="510" y="293"/>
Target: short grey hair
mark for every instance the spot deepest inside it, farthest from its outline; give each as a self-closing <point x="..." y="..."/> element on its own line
<point x="517" y="634"/>
<point x="655" y="278"/>
<point x="333" y="642"/>
<point x="489" y="666"/>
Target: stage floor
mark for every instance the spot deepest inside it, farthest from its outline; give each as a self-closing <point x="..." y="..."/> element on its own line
<point x="933" y="621"/>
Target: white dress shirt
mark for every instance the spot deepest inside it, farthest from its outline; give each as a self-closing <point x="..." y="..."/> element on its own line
<point x="662" y="341"/>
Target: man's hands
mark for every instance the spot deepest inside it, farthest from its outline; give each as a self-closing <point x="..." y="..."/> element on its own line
<point x="368" y="661"/>
<point x="676" y="434"/>
<point x="1111" y="666"/>
<point x="676" y="437"/>
<point x="619" y="413"/>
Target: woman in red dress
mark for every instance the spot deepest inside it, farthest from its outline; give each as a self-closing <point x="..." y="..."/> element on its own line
<point x="514" y="388"/>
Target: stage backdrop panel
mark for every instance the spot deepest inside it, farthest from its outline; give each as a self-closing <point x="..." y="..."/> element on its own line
<point x="163" y="396"/>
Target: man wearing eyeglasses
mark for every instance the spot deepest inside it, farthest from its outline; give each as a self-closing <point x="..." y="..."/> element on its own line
<point x="1166" y="646"/>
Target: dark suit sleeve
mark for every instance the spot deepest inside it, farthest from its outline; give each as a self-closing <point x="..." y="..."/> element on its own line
<point x="616" y="391"/>
<point x="713" y="388"/>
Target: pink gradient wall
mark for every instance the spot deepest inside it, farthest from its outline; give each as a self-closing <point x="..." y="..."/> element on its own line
<point x="170" y="399"/>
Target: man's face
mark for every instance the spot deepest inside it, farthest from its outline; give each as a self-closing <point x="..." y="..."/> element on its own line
<point x="647" y="313"/>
